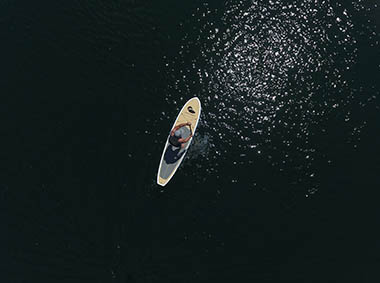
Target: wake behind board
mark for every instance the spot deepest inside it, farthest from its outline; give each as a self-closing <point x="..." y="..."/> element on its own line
<point x="172" y="157"/>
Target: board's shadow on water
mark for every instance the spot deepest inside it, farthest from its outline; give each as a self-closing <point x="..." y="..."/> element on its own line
<point x="172" y="154"/>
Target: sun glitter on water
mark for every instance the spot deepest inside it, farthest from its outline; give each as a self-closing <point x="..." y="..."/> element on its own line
<point x="270" y="76"/>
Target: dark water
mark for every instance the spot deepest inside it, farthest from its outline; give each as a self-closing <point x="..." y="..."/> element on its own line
<point x="280" y="184"/>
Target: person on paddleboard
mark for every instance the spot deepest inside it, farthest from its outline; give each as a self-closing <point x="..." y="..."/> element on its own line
<point x="175" y="138"/>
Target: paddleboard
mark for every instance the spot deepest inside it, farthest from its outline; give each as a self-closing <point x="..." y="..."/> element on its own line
<point x="171" y="156"/>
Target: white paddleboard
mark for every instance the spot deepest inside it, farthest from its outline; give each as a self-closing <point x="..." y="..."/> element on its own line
<point x="172" y="157"/>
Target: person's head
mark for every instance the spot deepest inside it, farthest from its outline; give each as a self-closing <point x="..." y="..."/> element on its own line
<point x="178" y="133"/>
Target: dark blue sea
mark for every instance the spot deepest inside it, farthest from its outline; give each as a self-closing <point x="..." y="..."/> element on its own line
<point x="281" y="182"/>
